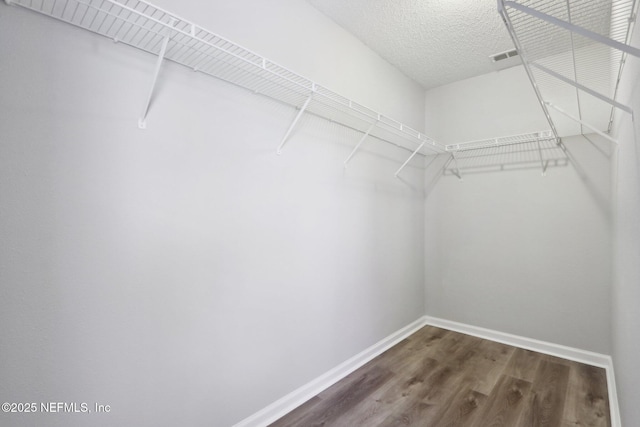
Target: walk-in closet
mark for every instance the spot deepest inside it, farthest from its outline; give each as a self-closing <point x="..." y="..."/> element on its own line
<point x="319" y="212"/>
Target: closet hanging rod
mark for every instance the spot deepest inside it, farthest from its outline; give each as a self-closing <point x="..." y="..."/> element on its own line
<point x="537" y="150"/>
<point x="583" y="88"/>
<point x="583" y="123"/>
<point x="142" y="25"/>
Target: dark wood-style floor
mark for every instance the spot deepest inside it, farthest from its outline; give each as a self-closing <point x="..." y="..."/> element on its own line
<point x="442" y="378"/>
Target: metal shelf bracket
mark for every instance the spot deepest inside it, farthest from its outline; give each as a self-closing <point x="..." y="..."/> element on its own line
<point x="582" y="122"/>
<point x="543" y="164"/>
<point x="366" y="134"/>
<point x="455" y="161"/>
<point x="140" y="24"/>
<point x="409" y="159"/>
<point x="293" y="124"/>
<point x="142" y="122"/>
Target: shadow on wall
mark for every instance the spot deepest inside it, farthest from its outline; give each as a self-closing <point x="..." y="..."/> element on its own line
<point x="591" y="157"/>
<point x="434" y="170"/>
<point x="542" y="155"/>
<point x="371" y="162"/>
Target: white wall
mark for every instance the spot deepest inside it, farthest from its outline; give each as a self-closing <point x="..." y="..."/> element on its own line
<point x="515" y="251"/>
<point x="626" y="283"/>
<point x="304" y="40"/>
<point x="186" y="275"/>
<point x="490" y="105"/>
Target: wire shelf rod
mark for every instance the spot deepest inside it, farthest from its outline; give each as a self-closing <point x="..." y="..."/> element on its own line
<point x="506" y="144"/>
<point x="516" y="42"/>
<point x="575" y="71"/>
<point x="583" y="88"/>
<point x="501" y="141"/>
<point x="574" y="28"/>
<point x="501" y="167"/>
<point x="627" y="40"/>
<point x="587" y="125"/>
<point x="141" y="25"/>
<point x="575" y="46"/>
<point x="487" y="152"/>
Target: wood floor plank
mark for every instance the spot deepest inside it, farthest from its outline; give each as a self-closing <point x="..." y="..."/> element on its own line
<point x="556" y="359"/>
<point x="419" y="415"/>
<point x="329" y="410"/>
<point x="423" y="406"/>
<point x="443" y="378"/>
<point x="487" y="365"/>
<point x="453" y="348"/>
<point x="587" y="398"/>
<point x="294" y="417"/>
<point x="428" y="340"/>
<point x="428" y="336"/>
<point x="545" y="405"/>
<point x="396" y="393"/>
<point x="462" y="410"/>
<point x="506" y="403"/>
<point x="523" y="364"/>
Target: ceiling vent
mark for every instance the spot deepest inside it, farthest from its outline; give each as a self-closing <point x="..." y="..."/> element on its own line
<point x="504" y="55"/>
<point x="506" y="59"/>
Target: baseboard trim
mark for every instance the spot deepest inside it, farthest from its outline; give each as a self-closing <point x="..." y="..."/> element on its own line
<point x="616" y="421"/>
<point x="583" y="356"/>
<point x="297" y="397"/>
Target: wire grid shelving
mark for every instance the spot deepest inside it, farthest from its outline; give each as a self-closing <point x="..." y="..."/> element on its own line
<point x="144" y="26"/>
<point x="574" y="53"/>
<point x="531" y="150"/>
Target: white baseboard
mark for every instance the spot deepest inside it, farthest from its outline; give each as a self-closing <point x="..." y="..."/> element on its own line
<point x="297" y="397"/>
<point x="583" y="356"/>
<point x="616" y="421"/>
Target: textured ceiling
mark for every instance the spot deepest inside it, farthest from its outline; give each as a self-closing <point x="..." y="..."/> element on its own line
<point x="434" y="42"/>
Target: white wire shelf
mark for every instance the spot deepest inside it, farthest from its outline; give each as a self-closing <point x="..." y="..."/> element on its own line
<point x="574" y="53"/>
<point x="531" y="150"/>
<point x="498" y="142"/>
<point x="144" y="26"/>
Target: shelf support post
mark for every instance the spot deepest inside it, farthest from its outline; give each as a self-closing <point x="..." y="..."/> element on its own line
<point x="409" y="159"/>
<point x="360" y="143"/>
<point x="293" y="124"/>
<point x="142" y="122"/>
